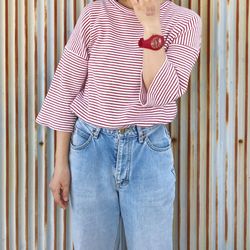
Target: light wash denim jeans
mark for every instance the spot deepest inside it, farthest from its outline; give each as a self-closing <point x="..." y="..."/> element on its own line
<point x="121" y="173"/>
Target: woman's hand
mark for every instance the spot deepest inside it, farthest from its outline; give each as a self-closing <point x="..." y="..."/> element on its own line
<point x="147" y="11"/>
<point x="60" y="184"/>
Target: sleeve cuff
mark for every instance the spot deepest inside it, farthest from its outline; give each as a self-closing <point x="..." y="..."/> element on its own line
<point x="58" y="125"/>
<point x="153" y="95"/>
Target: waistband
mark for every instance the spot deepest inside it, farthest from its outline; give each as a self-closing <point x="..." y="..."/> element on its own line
<point x="131" y="130"/>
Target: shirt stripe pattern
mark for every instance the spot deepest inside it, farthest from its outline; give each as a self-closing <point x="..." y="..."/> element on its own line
<point x="99" y="75"/>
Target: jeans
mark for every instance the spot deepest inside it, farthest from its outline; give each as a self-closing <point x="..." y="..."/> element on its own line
<point x="125" y="174"/>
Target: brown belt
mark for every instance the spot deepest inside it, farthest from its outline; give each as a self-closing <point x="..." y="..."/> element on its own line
<point x="122" y="130"/>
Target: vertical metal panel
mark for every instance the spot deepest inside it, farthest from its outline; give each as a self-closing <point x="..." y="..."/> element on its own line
<point x="210" y="134"/>
<point x="3" y="117"/>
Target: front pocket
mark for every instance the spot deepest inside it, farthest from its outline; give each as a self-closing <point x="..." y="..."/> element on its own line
<point x="158" y="139"/>
<point x="80" y="139"/>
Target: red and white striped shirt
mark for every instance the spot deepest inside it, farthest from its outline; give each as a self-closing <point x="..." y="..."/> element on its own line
<point x="99" y="75"/>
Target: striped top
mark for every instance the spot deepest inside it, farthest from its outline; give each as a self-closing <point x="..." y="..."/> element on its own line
<point x="99" y="75"/>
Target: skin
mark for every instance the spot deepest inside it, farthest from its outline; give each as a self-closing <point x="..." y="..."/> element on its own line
<point x="148" y="13"/>
<point x="60" y="182"/>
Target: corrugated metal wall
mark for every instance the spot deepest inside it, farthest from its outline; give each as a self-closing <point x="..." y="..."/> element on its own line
<point x="210" y="133"/>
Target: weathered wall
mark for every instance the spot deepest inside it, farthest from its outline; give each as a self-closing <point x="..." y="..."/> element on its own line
<point x="210" y="133"/>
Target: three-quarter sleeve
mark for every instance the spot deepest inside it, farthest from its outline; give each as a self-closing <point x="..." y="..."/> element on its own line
<point x="68" y="79"/>
<point x="171" y="80"/>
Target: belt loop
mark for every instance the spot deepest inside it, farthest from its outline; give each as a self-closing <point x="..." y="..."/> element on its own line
<point x="95" y="132"/>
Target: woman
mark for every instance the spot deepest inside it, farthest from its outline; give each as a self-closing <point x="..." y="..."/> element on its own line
<point x="113" y="92"/>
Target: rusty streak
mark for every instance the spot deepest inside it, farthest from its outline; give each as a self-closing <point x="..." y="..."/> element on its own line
<point x="74" y="11"/>
<point x="236" y="125"/>
<point x="26" y="117"/>
<point x="45" y="84"/>
<point x="246" y="132"/>
<point x="208" y="128"/>
<point x="198" y="145"/>
<point x="7" y="121"/>
<point x="189" y="168"/>
<point x="65" y="22"/>
<point x="198" y="160"/>
<point x="16" y="216"/>
<point x="226" y="198"/>
<point x="36" y="93"/>
<point x="178" y="177"/>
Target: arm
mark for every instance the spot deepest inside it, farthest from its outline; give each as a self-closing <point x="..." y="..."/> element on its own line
<point x="62" y="147"/>
<point x="60" y="182"/>
<point x="55" y="112"/>
<point x="69" y="78"/>
<point x="152" y="59"/>
<point x="164" y="78"/>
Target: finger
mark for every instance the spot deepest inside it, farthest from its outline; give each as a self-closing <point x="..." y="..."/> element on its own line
<point x="57" y="197"/>
<point x="141" y="3"/>
<point x="64" y="198"/>
<point x="56" y="194"/>
<point x="65" y="193"/>
<point x="135" y="3"/>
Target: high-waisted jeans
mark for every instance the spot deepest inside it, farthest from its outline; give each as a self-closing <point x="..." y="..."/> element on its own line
<point x="118" y="174"/>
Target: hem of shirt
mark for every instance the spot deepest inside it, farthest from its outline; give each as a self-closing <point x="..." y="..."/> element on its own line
<point x="51" y="126"/>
